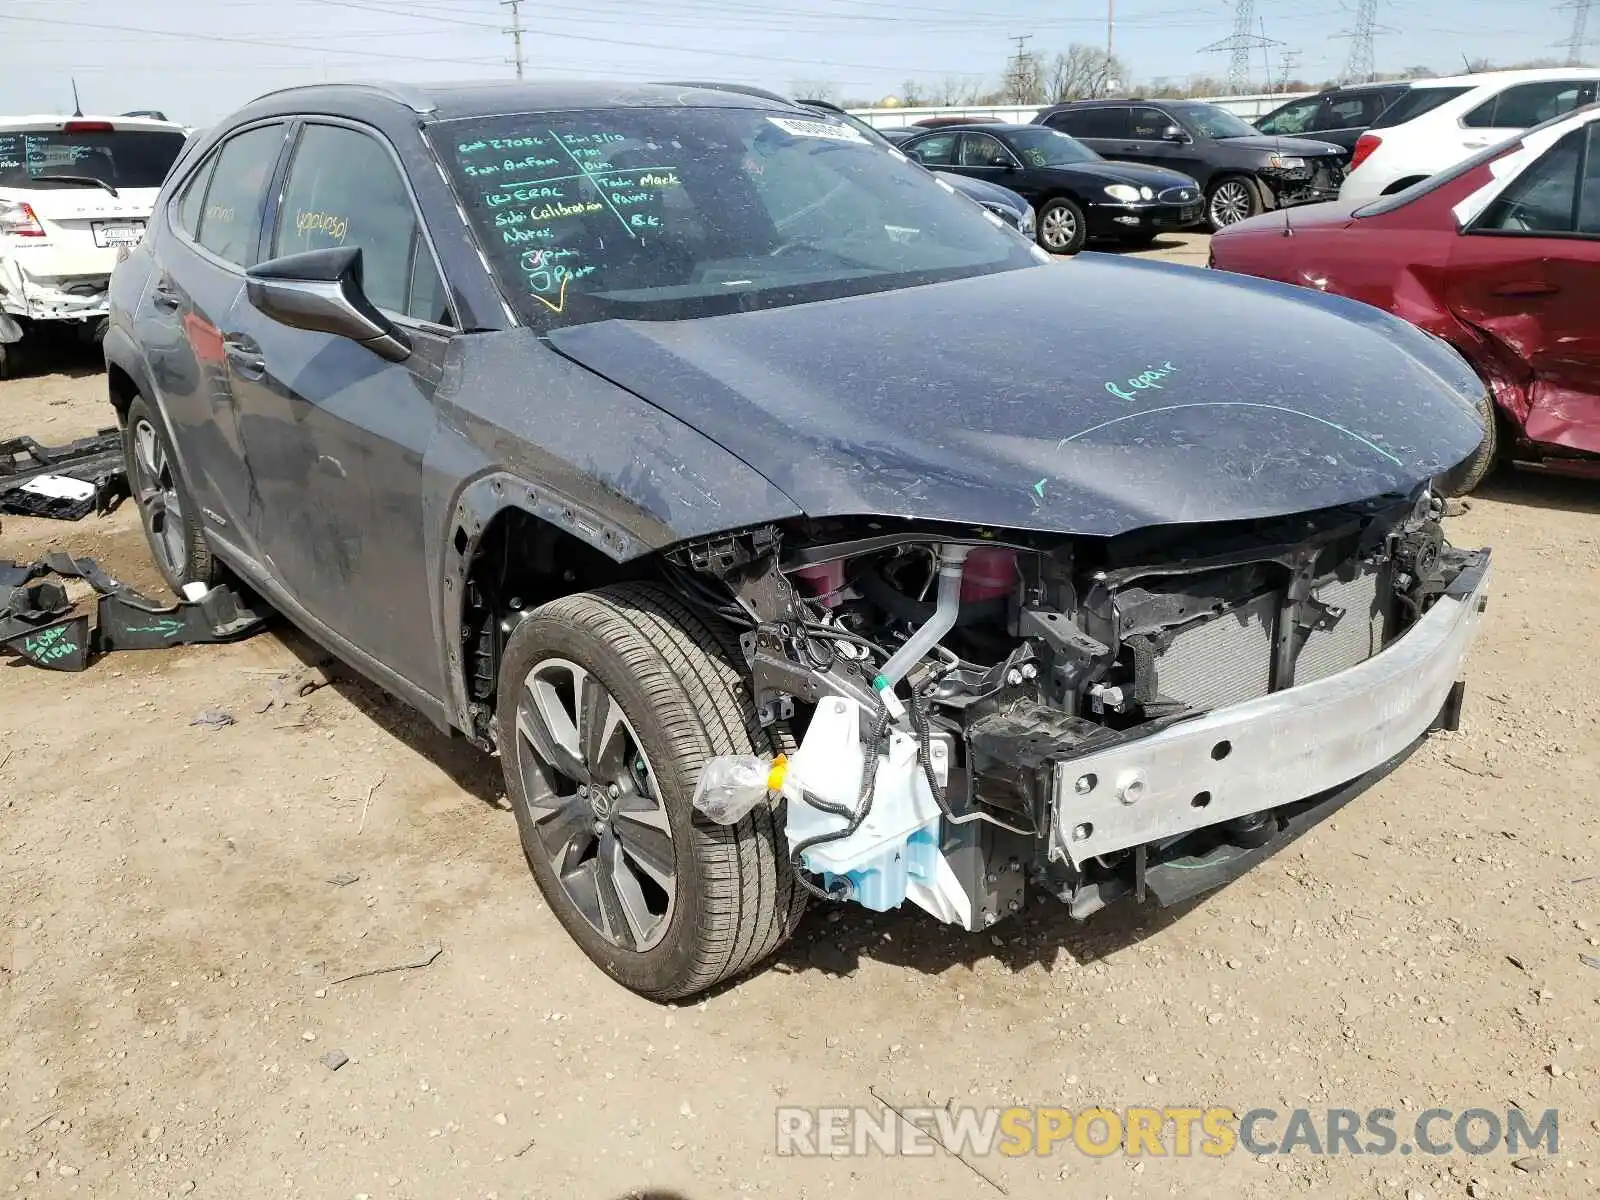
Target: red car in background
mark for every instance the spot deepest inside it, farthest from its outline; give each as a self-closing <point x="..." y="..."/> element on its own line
<point x="1499" y="256"/>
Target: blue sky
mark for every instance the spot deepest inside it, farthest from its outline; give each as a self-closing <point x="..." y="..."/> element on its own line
<point x="226" y="51"/>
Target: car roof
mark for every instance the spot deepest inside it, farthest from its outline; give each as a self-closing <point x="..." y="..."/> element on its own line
<point x="1527" y="75"/>
<point x="978" y="127"/>
<point x="496" y="98"/>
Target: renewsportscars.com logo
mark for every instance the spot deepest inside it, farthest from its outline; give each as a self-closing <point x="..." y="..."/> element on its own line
<point x="1178" y="1131"/>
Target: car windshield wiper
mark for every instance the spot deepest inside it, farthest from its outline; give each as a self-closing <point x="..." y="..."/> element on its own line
<point x="89" y="179"/>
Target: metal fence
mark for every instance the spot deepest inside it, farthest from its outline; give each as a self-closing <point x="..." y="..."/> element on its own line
<point x="1247" y="107"/>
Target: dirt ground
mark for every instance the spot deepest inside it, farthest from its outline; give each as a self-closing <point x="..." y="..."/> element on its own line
<point x="173" y="949"/>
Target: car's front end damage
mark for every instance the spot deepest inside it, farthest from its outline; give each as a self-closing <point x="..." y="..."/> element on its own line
<point x="1086" y="717"/>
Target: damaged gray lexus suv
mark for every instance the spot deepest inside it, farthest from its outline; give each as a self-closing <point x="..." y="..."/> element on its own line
<point x="565" y="414"/>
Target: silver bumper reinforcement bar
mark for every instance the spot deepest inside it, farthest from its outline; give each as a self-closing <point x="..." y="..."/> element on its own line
<point x="1272" y="750"/>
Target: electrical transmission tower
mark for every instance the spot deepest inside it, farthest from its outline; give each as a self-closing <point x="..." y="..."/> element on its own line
<point x="1578" y="40"/>
<point x="515" y="30"/>
<point x="1239" y="44"/>
<point x="1361" y="66"/>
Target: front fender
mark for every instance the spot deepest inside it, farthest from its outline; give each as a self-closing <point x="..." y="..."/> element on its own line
<point x="522" y="426"/>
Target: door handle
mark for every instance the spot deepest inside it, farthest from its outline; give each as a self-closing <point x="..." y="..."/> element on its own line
<point x="1130" y="149"/>
<point x="245" y="356"/>
<point x="165" y="298"/>
<point x="1525" y="287"/>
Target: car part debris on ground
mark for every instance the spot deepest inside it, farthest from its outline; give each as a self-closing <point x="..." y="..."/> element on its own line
<point x="38" y="624"/>
<point x="64" y="482"/>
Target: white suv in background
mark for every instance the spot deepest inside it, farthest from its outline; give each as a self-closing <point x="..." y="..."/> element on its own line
<point x="72" y="191"/>
<point x="1439" y="122"/>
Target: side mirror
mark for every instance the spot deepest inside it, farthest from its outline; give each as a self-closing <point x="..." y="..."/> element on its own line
<point x="1174" y="133"/>
<point x="321" y="291"/>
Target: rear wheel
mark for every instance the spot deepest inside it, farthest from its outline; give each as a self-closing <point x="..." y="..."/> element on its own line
<point x="610" y="703"/>
<point x="1061" y="227"/>
<point x="171" y="519"/>
<point x="1232" y="199"/>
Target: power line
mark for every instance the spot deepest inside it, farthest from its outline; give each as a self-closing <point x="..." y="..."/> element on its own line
<point x="1239" y="44"/>
<point x="516" y="33"/>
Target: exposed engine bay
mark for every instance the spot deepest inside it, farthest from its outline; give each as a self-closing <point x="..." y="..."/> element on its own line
<point x="978" y="712"/>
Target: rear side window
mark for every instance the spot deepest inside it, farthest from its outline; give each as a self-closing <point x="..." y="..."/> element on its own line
<point x="343" y="189"/>
<point x="230" y="220"/>
<point x="1530" y="104"/>
<point x="1091" y="122"/>
<point x="134" y="158"/>
<point x="1415" y="103"/>
<point x="1351" y="111"/>
<point x="194" y="196"/>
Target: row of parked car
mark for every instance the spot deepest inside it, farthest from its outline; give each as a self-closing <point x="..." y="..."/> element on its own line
<point x="1351" y="143"/>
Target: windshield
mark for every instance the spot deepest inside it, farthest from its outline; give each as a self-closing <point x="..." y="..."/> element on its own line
<point x="134" y="158"/>
<point x="1215" y="122"/>
<point x="671" y="213"/>
<point x="1041" y="147"/>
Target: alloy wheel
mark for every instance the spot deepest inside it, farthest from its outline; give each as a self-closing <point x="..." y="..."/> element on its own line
<point x="156" y="488"/>
<point x="1230" y="203"/>
<point x="1059" y="228"/>
<point x="595" y="804"/>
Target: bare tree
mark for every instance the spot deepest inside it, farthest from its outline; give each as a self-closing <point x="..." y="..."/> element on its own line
<point x="814" y="89"/>
<point x="913" y="95"/>
<point x="956" y="90"/>
<point x="1082" y="71"/>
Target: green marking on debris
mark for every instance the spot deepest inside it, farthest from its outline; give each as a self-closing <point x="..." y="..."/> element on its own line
<point x="166" y="627"/>
<point x="1038" y="488"/>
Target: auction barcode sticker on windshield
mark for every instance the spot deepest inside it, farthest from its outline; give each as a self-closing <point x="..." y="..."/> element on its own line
<point x="817" y="129"/>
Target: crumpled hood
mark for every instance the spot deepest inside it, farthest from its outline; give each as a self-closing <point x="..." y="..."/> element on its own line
<point x="1092" y="397"/>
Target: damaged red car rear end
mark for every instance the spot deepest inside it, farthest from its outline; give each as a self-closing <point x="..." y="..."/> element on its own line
<point x="1500" y="257"/>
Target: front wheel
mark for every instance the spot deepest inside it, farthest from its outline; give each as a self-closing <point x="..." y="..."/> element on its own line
<point x="1062" y="228"/>
<point x="1468" y="474"/>
<point x="1232" y="199"/>
<point x="610" y="703"/>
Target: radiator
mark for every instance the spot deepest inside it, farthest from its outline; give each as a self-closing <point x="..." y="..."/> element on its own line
<point x="1228" y="658"/>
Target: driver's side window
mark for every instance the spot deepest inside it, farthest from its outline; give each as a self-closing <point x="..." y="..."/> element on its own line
<point x="1543" y="199"/>
<point x="1293" y="118"/>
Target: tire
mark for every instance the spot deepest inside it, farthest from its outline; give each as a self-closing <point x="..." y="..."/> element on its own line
<point x="1062" y="228"/>
<point x="733" y="897"/>
<point x="1232" y="199"/>
<point x="177" y="545"/>
<point x="1467" y="475"/>
<point x="8" y="359"/>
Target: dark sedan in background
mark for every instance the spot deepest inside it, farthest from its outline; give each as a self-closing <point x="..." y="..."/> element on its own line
<point x="1076" y="193"/>
<point x="1242" y="171"/>
<point x="1001" y="201"/>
